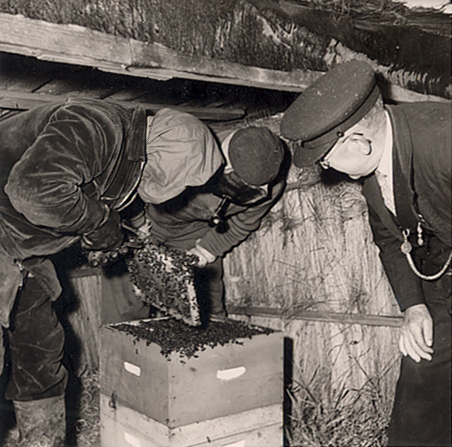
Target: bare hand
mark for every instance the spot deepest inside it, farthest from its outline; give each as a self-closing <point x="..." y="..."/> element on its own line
<point x="204" y="256"/>
<point x="144" y="230"/>
<point x="416" y="338"/>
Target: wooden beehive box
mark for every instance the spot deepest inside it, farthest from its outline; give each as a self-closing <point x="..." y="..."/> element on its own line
<point x="124" y="427"/>
<point x="179" y="388"/>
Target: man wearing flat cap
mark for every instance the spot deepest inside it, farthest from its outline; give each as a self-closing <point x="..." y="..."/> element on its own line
<point x="69" y="173"/>
<point x="402" y="155"/>
<point x="215" y="213"/>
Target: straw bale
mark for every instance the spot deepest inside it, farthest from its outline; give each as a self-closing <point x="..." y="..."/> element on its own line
<point x="314" y="251"/>
<point x="352" y="355"/>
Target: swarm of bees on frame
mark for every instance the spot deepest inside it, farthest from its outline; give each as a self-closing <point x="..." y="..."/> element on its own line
<point x="165" y="278"/>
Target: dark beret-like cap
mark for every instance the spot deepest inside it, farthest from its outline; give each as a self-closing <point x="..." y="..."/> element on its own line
<point x="327" y="108"/>
<point x="256" y="155"/>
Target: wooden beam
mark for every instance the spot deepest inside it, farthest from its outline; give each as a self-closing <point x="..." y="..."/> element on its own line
<point x="23" y="101"/>
<point x="78" y="45"/>
<point x="325" y="317"/>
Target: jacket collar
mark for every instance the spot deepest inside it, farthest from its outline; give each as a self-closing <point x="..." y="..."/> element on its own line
<point x="402" y="170"/>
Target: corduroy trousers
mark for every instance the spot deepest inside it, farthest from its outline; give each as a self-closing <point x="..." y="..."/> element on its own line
<point x="36" y="342"/>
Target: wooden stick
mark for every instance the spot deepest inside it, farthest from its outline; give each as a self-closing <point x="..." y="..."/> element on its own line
<point x="327" y="317"/>
<point x="23" y="101"/>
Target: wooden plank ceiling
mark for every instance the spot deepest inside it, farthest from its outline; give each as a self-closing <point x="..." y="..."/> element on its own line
<point x="27" y="81"/>
<point x="219" y="59"/>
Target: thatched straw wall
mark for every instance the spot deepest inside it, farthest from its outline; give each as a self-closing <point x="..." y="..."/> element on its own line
<point x="313" y="252"/>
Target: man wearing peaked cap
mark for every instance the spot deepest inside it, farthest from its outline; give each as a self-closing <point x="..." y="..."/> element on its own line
<point x="211" y="217"/>
<point x="402" y="155"/>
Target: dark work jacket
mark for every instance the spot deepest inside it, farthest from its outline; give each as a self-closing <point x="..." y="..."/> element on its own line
<point x="181" y="226"/>
<point x="61" y="164"/>
<point x="181" y="223"/>
<point x="422" y="187"/>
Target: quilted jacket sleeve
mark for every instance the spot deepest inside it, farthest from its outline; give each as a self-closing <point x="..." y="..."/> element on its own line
<point x="45" y="184"/>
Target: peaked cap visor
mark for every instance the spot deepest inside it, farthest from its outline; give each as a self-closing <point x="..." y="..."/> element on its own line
<point x="327" y="108"/>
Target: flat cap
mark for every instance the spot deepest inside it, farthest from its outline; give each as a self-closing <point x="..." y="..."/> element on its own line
<point x="327" y="108"/>
<point x="256" y="155"/>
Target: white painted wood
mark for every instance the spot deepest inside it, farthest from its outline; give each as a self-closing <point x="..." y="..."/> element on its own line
<point x="260" y="427"/>
<point x="178" y="390"/>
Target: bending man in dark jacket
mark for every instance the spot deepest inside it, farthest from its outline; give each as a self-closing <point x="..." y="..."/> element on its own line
<point x="403" y="155"/>
<point x="66" y="170"/>
<point x="210" y="220"/>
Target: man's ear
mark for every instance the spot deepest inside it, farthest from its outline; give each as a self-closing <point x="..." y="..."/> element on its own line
<point x="360" y="144"/>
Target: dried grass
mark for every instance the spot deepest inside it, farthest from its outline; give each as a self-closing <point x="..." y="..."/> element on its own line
<point x="87" y="426"/>
<point x="339" y="417"/>
<point x="85" y="430"/>
<point x="128" y="17"/>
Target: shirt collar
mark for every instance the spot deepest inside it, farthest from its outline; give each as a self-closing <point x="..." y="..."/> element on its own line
<point x="225" y="149"/>
<point x="385" y="166"/>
